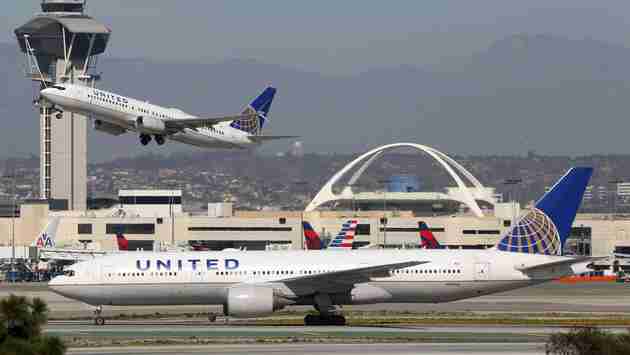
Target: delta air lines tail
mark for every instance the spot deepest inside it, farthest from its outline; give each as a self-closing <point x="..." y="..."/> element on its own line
<point x="427" y="239"/>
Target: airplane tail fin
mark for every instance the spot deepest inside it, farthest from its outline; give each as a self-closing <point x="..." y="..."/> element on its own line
<point x="260" y="106"/>
<point x="123" y="243"/>
<point x="345" y="237"/>
<point x="313" y="242"/>
<point x="46" y="239"/>
<point x="545" y="228"/>
<point x="427" y="239"/>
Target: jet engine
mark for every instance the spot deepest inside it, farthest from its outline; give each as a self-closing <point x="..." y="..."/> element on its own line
<point x="150" y="125"/>
<point x="108" y="128"/>
<point x="248" y="301"/>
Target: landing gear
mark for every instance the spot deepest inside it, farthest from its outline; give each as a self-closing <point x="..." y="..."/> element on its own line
<point x="328" y="314"/>
<point x="321" y="319"/>
<point x="159" y="139"/>
<point x="145" y="139"/>
<point x="59" y="115"/>
<point x="212" y="317"/>
<point x="98" y="320"/>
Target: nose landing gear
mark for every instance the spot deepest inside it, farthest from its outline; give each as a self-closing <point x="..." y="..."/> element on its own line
<point x="98" y="320"/>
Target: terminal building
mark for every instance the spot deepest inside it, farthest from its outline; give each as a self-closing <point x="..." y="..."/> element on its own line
<point x="154" y="220"/>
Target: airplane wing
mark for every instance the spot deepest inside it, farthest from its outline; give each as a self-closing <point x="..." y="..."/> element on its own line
<point x="339" y="281"/>
<point x="262" y="139"/>
<point x="181" y="123"/>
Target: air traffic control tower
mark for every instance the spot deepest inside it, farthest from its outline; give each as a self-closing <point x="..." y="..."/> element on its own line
<point x="61" y="45"/>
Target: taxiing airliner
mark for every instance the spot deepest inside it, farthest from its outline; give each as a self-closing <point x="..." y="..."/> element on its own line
<point x="255" y="284"/>
<point x="116" y="114"/>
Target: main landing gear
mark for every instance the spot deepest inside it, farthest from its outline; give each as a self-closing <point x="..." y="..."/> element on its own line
<point x="98" y="319"/>
<point x="145" y="139"/>
<point x="321" y="319"/>
<point x="328" y="314"/>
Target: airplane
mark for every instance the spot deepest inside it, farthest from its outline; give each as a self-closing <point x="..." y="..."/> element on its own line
<point x="427" y="239"/>
<point x="48" y="250"/>
<point x="343" y="240"/>
<point x="116" y="114"/>
<point x="257" y="283"/>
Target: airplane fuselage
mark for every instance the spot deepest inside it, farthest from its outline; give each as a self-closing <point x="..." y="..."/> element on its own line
<point x="116" y="114"/>
<point x="205" y="277"/>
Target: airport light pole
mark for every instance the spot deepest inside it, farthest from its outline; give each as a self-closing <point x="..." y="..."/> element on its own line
<point x="384" y="182"/>
<point x="513" y="184"/>
<point x="302" y="183"/>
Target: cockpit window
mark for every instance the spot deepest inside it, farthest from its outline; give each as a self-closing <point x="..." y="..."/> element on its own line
<point x="58" y="87"/>
<point x="68" y="273"/>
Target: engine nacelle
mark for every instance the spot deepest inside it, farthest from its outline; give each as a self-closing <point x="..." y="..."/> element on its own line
<point x="248" y="301"/>
<point x="362" y="294"/>
<point x="108" y="128"/>
<point x="150" y="125"/>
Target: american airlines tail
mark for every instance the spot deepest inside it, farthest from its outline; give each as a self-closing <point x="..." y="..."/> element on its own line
<point x="545" y="228"/>
<point x="259" y="111"/>
<point x="345" y="237"/>
<point x="343" y="240"/>
<point x="46" y="239"/>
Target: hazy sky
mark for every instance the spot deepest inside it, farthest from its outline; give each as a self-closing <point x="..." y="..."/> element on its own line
<point x="334" y="36"/>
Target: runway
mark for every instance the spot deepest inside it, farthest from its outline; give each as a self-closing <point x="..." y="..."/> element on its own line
<point x="550" y="297"/>
<point x="318" y="349"/>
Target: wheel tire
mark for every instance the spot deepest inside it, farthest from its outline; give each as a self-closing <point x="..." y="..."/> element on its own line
<point x="338" y="320"/>
<point x="59" y="115"/>
<point x="100" y="321"/>
<point x="212" y="317"/>
<point x="311" y="319"/>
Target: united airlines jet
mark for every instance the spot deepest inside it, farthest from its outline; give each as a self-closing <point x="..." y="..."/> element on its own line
<point x="255" y="284"/>
<point x="116" y="114"/>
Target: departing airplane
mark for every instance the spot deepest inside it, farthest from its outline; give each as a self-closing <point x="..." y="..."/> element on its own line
<point x="257" y="283"/>
<point x="116" y="114"/>
<point x="343" y="240"/>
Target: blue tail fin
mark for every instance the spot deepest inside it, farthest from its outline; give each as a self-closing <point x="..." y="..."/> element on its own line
<point x="547" y="226"/>
<point x="260" y="107"/>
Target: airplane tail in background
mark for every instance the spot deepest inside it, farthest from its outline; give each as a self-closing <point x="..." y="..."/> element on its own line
<point x="46" y="239"/>
<point x="345" y="237"/>
<point x="427" y="239"/>
<point x="545" y="228"/>
<point x="260" y="106"/>
<point x="313" y="242"/>
<point x="123" y="243"/>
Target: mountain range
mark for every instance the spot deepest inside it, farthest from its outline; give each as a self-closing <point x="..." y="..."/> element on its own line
<point x="525" y="92"/>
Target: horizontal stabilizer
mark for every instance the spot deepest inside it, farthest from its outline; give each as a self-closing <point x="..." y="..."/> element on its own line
<point x="557" y="264"/>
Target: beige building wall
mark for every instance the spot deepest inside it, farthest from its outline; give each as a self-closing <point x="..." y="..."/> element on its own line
<point x="606" y="233"/>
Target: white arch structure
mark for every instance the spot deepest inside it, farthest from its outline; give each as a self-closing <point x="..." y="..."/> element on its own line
<point x="466" y="195"/>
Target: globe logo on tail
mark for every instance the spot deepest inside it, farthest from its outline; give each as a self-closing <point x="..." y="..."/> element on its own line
<point x="534" y="234"/>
